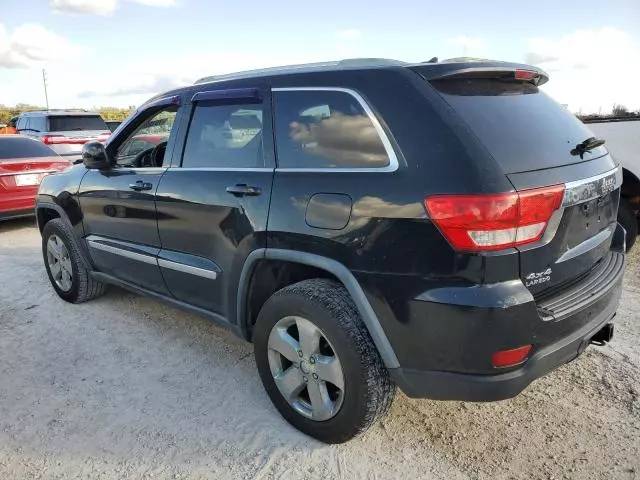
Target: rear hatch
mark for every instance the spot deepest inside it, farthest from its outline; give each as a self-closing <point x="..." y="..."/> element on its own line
<point x="68" y="133"/>
<point x="536" y="142"/>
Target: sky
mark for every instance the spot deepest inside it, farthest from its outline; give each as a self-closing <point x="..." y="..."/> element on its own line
<point x="121" y="52"/>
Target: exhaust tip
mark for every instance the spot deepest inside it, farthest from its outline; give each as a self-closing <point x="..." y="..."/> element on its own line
<point x="604" y="335"/>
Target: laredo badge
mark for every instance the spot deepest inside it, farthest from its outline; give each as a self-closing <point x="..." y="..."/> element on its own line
<point x="536" y="278"/>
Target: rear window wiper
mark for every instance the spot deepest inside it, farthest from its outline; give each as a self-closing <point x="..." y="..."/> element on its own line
<point x="586" y="146"/>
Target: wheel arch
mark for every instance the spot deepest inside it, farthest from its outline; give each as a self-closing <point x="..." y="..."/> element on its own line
<point x="46" y="211"/>
<point x="333" y="269"/>
<point x="630" y="183"/>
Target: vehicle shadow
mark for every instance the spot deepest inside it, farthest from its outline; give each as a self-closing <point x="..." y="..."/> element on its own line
<point x="14" y="224"/>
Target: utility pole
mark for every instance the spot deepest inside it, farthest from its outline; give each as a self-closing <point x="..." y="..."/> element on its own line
<point x="44" y="82"/>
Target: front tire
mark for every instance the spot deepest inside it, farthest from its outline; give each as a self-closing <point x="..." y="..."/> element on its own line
<point x="69" y="277"/>
<point x="629" y="221"/>
<point x="318" y="363"/>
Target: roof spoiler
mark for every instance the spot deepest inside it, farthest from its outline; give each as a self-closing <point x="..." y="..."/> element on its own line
<point x="481" y="69"/>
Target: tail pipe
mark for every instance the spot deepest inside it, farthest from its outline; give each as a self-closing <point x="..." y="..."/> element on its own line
<point x="604" y="335"/>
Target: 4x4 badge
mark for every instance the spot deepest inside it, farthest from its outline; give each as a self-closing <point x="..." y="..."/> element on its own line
<point x="536" y="278"/>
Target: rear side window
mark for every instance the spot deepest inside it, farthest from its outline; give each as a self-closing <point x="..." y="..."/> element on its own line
<point x="521" y="127"/>
<point x="326" y="129"/>
<point x="62" y="123"/>
<point x="224" y="136"/>
<point x="17" y="147"/>
<point x="38" y="124"/>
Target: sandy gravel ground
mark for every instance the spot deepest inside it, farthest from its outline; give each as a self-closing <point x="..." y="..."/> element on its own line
<point x="125" y="387"/>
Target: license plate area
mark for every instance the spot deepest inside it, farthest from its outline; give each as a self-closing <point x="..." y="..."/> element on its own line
<point x="27" y="179"/>
<point x="594" y="215"/>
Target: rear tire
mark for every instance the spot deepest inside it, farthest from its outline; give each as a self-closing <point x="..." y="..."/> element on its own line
<point x="629" y="221"/>
<point x="324" y="306"/>
<point x="67" y="273"/>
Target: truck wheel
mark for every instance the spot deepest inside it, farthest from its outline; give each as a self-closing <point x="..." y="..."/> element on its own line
<point x="629" y="221"/>
<point x="67" y="273"/>
<point x="318" y="363"/>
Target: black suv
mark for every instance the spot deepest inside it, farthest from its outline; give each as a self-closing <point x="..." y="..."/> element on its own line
<point x="445" y="227"/>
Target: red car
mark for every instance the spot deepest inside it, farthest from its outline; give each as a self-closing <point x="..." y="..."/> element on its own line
<point x="23" y="164"/>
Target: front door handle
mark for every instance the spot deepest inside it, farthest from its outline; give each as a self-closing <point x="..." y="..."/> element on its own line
<point x="244" y="190"/>
<point x="140" y="185"/>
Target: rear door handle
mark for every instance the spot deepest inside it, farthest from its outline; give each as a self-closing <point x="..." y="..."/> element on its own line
<point x="244" y="190"/>
<point x="140" y="185"/>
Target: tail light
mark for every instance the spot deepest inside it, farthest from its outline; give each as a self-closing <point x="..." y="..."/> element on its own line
<point x="103" y="137"/>
<point x="52" y="139"/>
<point x="525" y="75"/>
<point x="62" y="140"/>
<point x="62" y="166"/>
<point x="494" y="221"/>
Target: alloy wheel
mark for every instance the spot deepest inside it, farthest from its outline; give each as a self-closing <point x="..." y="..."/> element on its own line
<point x="59" y="263"/>
<point x="306" y="368"/>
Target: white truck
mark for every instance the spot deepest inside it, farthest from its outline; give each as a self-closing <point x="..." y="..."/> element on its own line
<point x="623" y="142"/>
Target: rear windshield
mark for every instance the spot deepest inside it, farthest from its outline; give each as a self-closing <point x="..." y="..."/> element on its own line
<point x="16" y="147"/>
<point x="521" y="127"/>
<point x="76" y="123"/>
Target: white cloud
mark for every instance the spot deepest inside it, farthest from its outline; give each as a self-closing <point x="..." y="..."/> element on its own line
<point x="102" y="7"/>
<point x="31" y="45"/>
<point x="156" y="3"/>
<point x="134" y="84"/>
<point x="467" y="43"/>
<point x="349" y="34"/>
<point x="590" y="70"/>
<point x="94" y="7"/>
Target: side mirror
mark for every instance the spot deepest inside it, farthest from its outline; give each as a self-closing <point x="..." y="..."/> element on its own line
<point x="94" y="156"/>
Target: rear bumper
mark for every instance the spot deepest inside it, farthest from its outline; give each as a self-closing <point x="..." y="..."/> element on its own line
<point x="17" y="205"/>
<point x="444" y="337"/>
<point x="485" y="388"/>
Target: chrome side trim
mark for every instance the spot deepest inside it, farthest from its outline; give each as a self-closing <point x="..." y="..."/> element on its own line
<point x="181" y="267"/>
<point x="581" y="191"/>
<point x="26" y="172"/>
<point x="223" y="169"/>
<point x="122" y="252"/>
<point x="388" y="147"/>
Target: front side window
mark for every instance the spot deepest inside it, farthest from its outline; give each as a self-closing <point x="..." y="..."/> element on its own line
<point x="224" y="136"/>
<point x="325" y="129"/>
<point x="146" y="145"/>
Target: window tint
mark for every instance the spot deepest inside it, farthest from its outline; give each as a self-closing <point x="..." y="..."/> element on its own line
<point x="137" y="146"/>
<point x="228" y="136"/>
<point x="62" y="123"/>
<point x="21" y="147"/>
<point x="522" y="128"/>
<point x="150" y="133"/>
<point x="38" y="124"/>
<point x="325" y="129"/>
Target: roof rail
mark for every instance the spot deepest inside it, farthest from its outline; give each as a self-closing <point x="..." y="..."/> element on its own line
<point x="350" y="62"/>
<point x="58" y="110"/>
